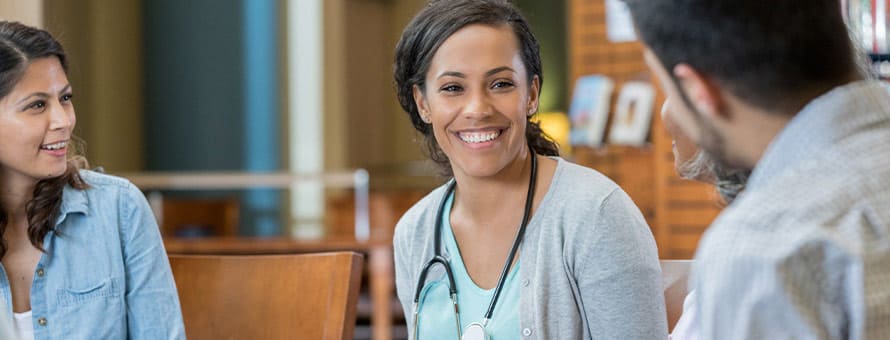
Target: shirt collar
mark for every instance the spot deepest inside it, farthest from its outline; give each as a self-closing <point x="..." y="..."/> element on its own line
<point x="837" y="114"/>
<point x="73" y="201"/>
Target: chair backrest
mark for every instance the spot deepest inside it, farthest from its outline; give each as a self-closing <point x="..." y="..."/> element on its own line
<point x="675" y="274"/>
<point x="385" y="208"/>
<point x="307" y="296"/>
<point x="199" y="217"/>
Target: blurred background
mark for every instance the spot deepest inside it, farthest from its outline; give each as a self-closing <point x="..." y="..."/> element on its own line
<point x="258" y="85"/>
<point x="166" y="89"/>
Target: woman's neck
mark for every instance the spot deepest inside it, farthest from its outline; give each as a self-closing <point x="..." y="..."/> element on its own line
<point x="484" y="198"/>
<point x="14" y="197"/>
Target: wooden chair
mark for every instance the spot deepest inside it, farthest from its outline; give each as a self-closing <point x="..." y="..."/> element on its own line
<point x="199" y="217"/>
<point x="384" y="209"/>
<point x="309" y="296"/>
<point x="675" y="274"/>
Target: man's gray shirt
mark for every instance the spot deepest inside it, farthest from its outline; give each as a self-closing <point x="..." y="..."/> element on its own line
<point x="804" y="253"/>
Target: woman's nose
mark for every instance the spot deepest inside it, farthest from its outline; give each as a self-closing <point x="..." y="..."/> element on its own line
<point x="59" y="117"/>
<point x="479" y="105"/>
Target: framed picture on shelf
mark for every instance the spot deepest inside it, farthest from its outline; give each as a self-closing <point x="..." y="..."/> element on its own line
<point x="633" y="114"/>
<point x="589" y="110"/>
<point x="619" y="24"/>
<point x="869" y="21"/>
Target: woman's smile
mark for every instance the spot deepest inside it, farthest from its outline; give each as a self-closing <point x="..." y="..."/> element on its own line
<point x="57" y="149"/>
<point x="480" y="138"/>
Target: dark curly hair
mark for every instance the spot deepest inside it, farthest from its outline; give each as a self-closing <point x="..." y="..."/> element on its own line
<point x="19" y="46"/>
<point x="429" y="29"/>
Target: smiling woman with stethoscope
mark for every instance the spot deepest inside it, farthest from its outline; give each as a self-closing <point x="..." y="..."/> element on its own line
<point x="475" y="330"/>
<point x="521" y="243"/>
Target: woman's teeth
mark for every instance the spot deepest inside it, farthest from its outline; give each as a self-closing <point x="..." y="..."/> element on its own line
<point x="54" y="146"/>
<point x="479" y="137"/>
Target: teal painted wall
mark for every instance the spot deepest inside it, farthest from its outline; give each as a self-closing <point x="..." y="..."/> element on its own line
<point x="211" y="95"/>
<point x="193" y="90"/>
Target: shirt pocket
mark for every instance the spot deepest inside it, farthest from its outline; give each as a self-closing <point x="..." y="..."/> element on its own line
<point x="83" y="293"/>
<point x="90" y="309"/>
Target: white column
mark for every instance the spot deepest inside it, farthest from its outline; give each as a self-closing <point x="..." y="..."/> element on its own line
<point x="306" y="111"/>
<point x="881" y="26"/>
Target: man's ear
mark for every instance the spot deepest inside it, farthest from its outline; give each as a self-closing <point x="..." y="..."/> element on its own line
<point x="702" y="91"/>
<point x="420" y="102"/>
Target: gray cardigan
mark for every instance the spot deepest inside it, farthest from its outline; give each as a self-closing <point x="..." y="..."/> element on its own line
<point x="589" y="263"/>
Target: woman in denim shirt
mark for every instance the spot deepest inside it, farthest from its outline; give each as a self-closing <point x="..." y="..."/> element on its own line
<point x="82" y="256"/>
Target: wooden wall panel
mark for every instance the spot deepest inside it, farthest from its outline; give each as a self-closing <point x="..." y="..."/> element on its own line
<point x="677" y="210"/>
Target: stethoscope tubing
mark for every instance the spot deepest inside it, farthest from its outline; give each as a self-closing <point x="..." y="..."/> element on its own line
<point x="441" y="260"/>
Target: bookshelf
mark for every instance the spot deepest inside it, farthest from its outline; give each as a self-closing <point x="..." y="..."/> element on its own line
<point x="678" y="211"/>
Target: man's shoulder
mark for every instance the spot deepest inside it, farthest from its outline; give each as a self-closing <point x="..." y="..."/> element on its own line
<point x="831" y="197"/>
<point x="832" y="181"/>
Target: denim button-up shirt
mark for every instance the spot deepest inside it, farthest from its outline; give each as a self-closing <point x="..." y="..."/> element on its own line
<point x="105" y="273"/>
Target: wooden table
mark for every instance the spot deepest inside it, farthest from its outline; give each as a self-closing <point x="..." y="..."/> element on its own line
<point x="380" y="262"/>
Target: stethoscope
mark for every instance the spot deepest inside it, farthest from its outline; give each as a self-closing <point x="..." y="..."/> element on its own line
<point x="475" y="330"/>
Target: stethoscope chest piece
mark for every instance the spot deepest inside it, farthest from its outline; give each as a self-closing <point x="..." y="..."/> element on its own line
<point x="474" y="331"/>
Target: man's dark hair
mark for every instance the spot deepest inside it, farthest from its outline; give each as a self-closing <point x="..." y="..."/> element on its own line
<point x="774" y="54"/>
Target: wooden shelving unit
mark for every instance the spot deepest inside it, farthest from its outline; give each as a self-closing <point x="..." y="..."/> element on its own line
<point x="677" y="210"/>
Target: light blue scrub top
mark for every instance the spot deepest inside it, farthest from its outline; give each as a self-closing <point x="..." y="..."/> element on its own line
<point x="436" y="317"/>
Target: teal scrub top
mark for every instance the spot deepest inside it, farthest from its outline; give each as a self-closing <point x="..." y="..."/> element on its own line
<point x="436" y="313"/>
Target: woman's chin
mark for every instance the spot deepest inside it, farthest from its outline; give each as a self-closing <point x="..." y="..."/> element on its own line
<point x="55" y="172"/>
<point x="482" y="168"/>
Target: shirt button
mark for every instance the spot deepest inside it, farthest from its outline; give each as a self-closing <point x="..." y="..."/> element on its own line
<point x="41" y="321"/>
<point x="525" y="283"/>
<point x="527" y="332"/>
<point x="40" y="272"/>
